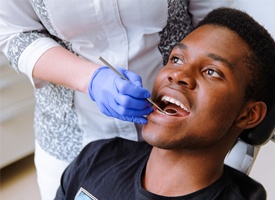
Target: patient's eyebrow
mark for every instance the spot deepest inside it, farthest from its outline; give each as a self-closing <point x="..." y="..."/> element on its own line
<point x="210" y="55"/>
<point x="221" y="59"/>
<point x="181" y="46"/>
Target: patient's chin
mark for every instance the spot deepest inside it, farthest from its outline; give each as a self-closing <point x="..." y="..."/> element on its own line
<point x="148" y="134"/>
<point x="154" y="137"/>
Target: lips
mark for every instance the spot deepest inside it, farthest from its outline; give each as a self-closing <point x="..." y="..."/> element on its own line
<point x="167" y="102"/>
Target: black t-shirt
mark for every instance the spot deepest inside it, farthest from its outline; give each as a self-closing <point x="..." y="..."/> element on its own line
<point x="112" y="169"/>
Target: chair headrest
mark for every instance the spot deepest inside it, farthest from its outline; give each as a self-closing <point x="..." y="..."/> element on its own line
<point x="250" y="188"/>
<point x="261" y="133"/>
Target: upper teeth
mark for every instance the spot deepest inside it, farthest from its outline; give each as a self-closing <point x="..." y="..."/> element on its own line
<point x="174" y="101"/>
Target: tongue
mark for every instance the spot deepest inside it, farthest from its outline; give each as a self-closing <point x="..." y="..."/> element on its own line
<point x="180" y="111"/>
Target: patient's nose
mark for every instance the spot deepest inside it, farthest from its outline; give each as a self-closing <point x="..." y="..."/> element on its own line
<point x="183" y="78"/>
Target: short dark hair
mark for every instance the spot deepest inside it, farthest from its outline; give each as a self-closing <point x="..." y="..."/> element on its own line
<point x="262" y="60"/>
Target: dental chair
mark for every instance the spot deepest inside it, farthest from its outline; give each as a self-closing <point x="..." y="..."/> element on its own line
<point x="241" y="158"/>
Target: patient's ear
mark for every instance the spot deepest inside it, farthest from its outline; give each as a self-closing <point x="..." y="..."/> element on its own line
<point x="252" y="114"/>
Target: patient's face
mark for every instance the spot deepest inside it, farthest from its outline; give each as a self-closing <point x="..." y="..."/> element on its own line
<point x="205" y="80"/>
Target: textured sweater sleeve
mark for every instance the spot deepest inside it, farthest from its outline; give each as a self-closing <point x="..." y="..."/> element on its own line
<point x="23" y="38"/>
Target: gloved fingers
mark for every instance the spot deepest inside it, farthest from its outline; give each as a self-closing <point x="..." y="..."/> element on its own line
<point x="128" y="105"/>
<point x="109" y="100"/>
<point x="120" y="98"/>
<point x="112" y="113"/>
<point x="129" y="102"/>
<point x="116" y="98"/>
<point x="133" y="77"/>
<point x="128" y="88"/>
<point x="134" y="111"/>
<point x="136" y="80"/>
<point x="137" y="120"/>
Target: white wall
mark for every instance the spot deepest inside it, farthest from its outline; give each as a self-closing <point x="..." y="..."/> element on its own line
<point x="264" y="168"/>
<point x="261" y="10"/>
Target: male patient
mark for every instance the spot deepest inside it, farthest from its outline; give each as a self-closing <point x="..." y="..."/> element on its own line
<point x="220" y="79"/>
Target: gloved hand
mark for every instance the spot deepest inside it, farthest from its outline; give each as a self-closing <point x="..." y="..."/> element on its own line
<point x="119" y="98"/>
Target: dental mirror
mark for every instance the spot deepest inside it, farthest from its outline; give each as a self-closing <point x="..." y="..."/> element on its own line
<point x="169" y="111"/>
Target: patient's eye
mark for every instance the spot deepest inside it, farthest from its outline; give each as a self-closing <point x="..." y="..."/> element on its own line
<point x="212" y="72"/>
<point x="176" y="60"/>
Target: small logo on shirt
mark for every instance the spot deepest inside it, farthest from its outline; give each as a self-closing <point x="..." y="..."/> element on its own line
<point x="83" y="194"/>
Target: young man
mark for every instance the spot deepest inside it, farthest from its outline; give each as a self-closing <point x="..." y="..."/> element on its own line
<point x="220" y="79"/>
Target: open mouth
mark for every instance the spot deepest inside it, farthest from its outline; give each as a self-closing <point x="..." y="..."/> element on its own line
<point x="171" y="104"/>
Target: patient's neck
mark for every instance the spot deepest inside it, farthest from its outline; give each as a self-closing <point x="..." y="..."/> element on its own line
<point x="175" y="173"/>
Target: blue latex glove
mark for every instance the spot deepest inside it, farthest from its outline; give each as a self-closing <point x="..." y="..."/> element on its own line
<point x="119" y="98"/>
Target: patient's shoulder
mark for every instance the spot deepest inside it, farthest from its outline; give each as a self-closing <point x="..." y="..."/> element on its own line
<point x="115" y="148"/>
